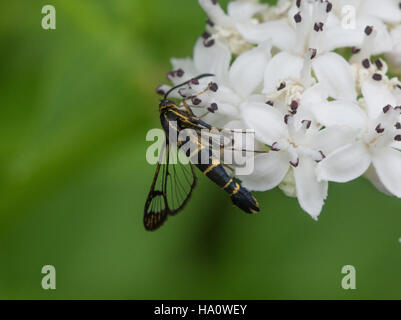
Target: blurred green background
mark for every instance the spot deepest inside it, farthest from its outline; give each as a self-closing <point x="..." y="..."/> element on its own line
<point x="76" y="103"/>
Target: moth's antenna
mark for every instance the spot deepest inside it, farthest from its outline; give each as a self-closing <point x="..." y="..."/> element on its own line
<point x="186" y="82"/>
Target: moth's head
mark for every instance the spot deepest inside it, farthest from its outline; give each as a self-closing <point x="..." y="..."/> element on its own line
<point x="165" y="103"/>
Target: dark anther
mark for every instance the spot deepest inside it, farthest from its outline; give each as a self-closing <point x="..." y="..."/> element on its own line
<point x="397" y="137"/>
<point x="210" y="22"/>
<point x="298" y="3"/>
<point x="398" y="125"/>
<point x="194" y="81"/>
<point x="214" y="1"/>
<point x="366" y="63"/>
<point x="294" y="105"/>
<point x="282" y="86"/>
<point x="322" y="154"/>
<point x="298" y="17"/>
<point x="196" y="101"/>
<point x="159" y="90"/>
<point x="213" y="86"/>
<point x="286" y="117"/>
<point x="379" y="128"/>
<point x="181" y="92"/>
<point x="213" y="107"/>
<point x="377" y="77"/>
<point x="307" y="123"/>
<point x="206" y="35"/>
<point x="274" y="147"/>
<point x="379" y="64"/>
<point x="295" y="164"/>
<point x="355" y="50"/>
<point x="270" y="103"/>
<point x="170" y="75"/>
<point x="329" y="7"/>
<point x="208" y="43"/>
<point x="314" y="52"/>
<point x="179" y="72"/>
<point x="387" y="108"/>
<point x="368" y="30"/>
<point x="318" y="26"/>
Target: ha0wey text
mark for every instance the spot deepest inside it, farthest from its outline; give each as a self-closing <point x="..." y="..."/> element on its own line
<point x="232" y="147"/>
<point x="223" y="309"/>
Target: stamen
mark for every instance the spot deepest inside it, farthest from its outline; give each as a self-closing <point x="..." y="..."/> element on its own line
<point x="318" y="26"/>
<point x="159" y="90"/>
<point x="294" y="105"/>
<point x="213" y="107"/>
<point x="366" y="63"/>
<point x="194" y="82"/>
<point x="298" y="3"/>
<point x="379" y="64"/>
<point x="355" y="50"/>
<point x="213" y="86"/>
<point x="209" y="22"/>
<point x="398" y="126"/>
<point x="329" y="7"/>
<point x="181" y="92"/>
<point x="369" y="30"/>
<point x="214" y="2"/>
<point x="387" y="108"/>
<point x="282" y="86"/>
<point x="379" y="128"/>
<point x="208" y="43"/>
<point x="270" y="103"/>
<point x="196" y="101"/>
<point x="313" y="53"/>
<point x="179" y="73"/>
<point x="286" y="117"/>
<point x="298" y="17"/>
<point x="275" y="147"/>
<point x="206" y="35"/>
<point x="307" y="123"/>
<point x="170" y="75"/>
<point x="295" y="164"/>
<point x="397" y="137"/>
<point x="377" y="77"/>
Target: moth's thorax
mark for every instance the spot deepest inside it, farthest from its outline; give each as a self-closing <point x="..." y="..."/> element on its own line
<point x="165" y="105"/>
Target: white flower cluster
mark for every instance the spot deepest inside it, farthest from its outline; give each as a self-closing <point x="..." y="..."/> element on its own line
<point x="312" y="79"/>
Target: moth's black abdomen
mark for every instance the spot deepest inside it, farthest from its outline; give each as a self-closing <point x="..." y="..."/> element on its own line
<point x="244" y="200"/>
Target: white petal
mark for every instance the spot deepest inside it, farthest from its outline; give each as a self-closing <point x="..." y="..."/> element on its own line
<point x="214" y="59"/>
<point x="279" y="32"/>
<point x="187" y="65"/>
<point x="339" y="37"/>
<point x="387" y="10"/>
<point x="344" y="164"/>
<point x="394" y="56"/>
<point x="247" y="71"/>
<point x="310" y="192"/>
<point x="335" y="73"/>
<point x="338" y="113"/>
<point x="242" y="11"/>
<point x="216" y="13"/>
<point x="382" y="42"/>
<point x="332" y="138"/>
<point x="372" y="176"/>
<point x="268" y="173"/>
<point x="387" y="163"/>
<point x="267" y="122"/>
<point x="377" y="96"/>
<point x="282" y="67"/>
<point x="316" y="94"/>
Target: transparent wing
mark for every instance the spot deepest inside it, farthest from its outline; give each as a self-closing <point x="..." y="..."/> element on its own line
<point x="171" y="189"/>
